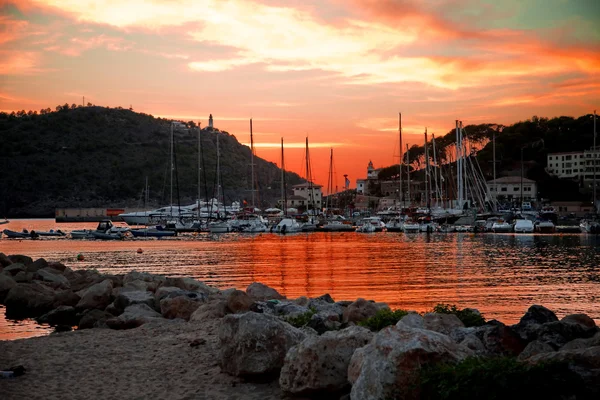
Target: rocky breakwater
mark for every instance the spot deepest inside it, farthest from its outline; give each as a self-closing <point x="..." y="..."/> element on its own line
<point x="320" y="347"/>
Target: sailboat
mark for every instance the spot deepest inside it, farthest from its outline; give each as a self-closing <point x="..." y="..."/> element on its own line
<point x="334" y="223"/>
<point x="286" y="225"/>
<point x="222" y="225"/>
<point x="397" y="224"/>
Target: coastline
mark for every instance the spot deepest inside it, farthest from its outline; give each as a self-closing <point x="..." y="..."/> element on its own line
<point x="142" y="335"/>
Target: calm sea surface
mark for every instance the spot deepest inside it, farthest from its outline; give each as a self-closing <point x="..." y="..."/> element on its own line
<point x="500" y="274"/>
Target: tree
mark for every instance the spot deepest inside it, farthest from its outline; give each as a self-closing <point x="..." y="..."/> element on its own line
<point x="89" y="104"/>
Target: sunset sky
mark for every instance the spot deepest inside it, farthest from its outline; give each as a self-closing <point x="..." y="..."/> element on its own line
<point x="337" y="71"/>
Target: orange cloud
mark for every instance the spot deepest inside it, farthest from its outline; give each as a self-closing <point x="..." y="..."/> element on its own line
<point x="11" y="29"/>
<point x="19" y="63"/>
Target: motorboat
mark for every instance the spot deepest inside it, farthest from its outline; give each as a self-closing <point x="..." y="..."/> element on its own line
<point x="371" y="224"/>
<point x="447" y="228"/>
<point x="51" y="232"/>
<point x="464" y="228"/>
<point x="523" y="226"/>
<point x="338" y="226"/>
<point x="248" y="222"/>
<point x="19" y="235"/>
<point x="287" y="225"/>
<point x="255" y="226"/>
<point x="220" y="227"/>
<point x="545" y="226"/>
<point x="82" y="234"/>
<point x="4" y="222"/>
<point x="501" y="226"/>
<point x="411" y="226"/>
<point x="105" y="231"/>
<point x="586" y="226"/>
<point x="395" y="225"/>
<point x="427" y="225"/>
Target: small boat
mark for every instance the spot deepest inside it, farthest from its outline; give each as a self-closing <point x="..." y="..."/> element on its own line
<point x="19" y="235"/>
<point x="545" y="226"/>
<point x="51" y="232"/>
<point x="371" y="224"/>
<point x="447" y="228"/>
<point x="219" y="227"/>
<point x="501" y="226"/>
<point x="107" y="235"/>
<point x="523" y="226"/>
<point x="411" y="227"/>
<point x="337" y="226"/>
<point x="4" y="222"/>
<point x="288" y="225"/>
<point x="104" y="231"/>
<point x="82" y="234"/>
<point x="464" y="228"/>
<point x="590" y="226"/>
<point x="395" y="225"/>
<point x="152" y="232"/>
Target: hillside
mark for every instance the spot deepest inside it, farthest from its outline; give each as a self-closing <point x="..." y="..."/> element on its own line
<point x="100" y="157"/>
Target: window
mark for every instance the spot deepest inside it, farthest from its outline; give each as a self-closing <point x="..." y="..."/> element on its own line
<point x="503" y="189"/>
<point x="517" y="188"/>
<point x="568" y="157"/>
<point x="527" y="189"/>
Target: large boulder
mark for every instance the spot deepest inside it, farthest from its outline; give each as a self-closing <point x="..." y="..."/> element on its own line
<point x="18" y="258"/>
<point x="96" y="296"/>
<point x="128" y="298"/>
<point x="413" y="320"/>
<point x="191" y="285"/>
<point x="153" y="281"/>
<point x="442" y="323"/>
<point x="93" y="318"/>
<point x="474" y="343"/>
<point x="584" y="362"/>
<point x="578" y="344"/>
<point x="53" y="276"/>
<point x="37" y="265"/>
<point x="180" y="307"/>
<point x="262" y="292"/>
<point x="500" y="339"/>
<point x="254" y="344"/>
<point x="83" y="278"/>
<point x="320" y="363"/>
<point x="29" y="300"/>
<point x="362" y="309"/>
<point x="65" y="298"/>
<point x="289" y="309"/>
<point x="14" y="268"/>
<point x="6" y="283"/>
<point x="57" y="265"/>
<point x="530" y="323"/>
<point x="4" y="260"/>
<point x="133" y="316"/>
<point x="210" y="310"/>
<point x="63" y="315"/>
<point x="238" y="301"/>
<point x="534" y="348"/>
<point x="23" y="277"/>
<point x="323" y="322"/>
<point x="390" y="365"/>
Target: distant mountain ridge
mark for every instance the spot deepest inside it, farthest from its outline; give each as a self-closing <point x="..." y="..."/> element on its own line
<point x="100" y="157"/>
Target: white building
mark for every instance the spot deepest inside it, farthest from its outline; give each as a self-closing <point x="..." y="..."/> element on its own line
<point x="362" y="185"/>
<point x="306" y="194"/>
<point x="210" y="121"/>
<point x="577" y="165"/>
<point x="508" y="188"/>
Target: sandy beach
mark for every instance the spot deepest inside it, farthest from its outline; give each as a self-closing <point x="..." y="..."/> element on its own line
<point x="153" y="361"/>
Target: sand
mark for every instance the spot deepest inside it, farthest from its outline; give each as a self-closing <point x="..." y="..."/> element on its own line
<point x="154" y="361"/>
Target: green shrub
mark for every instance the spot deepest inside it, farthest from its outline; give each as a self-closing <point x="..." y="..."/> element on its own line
<point x="384" y="317"/>
<point x="499" y="378"/>
<point x="467" y="316"/>
<point x="302" y="319"/>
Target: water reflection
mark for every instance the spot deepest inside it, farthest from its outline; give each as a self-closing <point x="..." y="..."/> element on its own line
<point x="500" y="274"/>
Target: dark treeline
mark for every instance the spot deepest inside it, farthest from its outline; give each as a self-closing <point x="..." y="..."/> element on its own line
<point x="95" y="156"/>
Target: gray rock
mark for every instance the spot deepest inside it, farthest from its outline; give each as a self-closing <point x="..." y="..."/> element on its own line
<point x="290" y="309"/>
<point x="584" y="322"/>
<point x="96" y="296"/>
<point x="154" y="280"/>
<point x="83" y="279"/>
<point x="37" y="265"/>
<point x="319" y="364"/>
<point x="584" y="362"/>
<point x="559" y="333"/>
<point x="179" y="307"/>
<point x="534" y="348"/>
<point x="165" y="291"/>
<point x="442" y="323"/>
<point x="579" y="344"/>
<point x="210" y="310"/>
<point x="4" y="260"/>
<point x="389" y="366"/>
<point x="323" y="322"/>
<point x="57" y="266"/>
<point x="28" y="300"/>
<point x="133" y="316"/>
<point x="238" y="301"/>
<point x="413" y="320"/>
<point x="18" y="258"/>
<point x="140" y="285"/>
<point x="23" y="277"/>
<point x="129" y="298"/>
<point x="502" y="340"/>
<point x="262" y="292"/>
<point x="191" y="285"/>
<point x="538" y="315"/>
<point x="474" y="343"/>
<point x="93" y="318"/>
<point x="361" y="310"/>
<point x="329" y="308"/>
<point x="50" y="275"/>
<point x="326" y="298"/>
<point x="255" y="344"/>
<point x="63" y="315"/>
<point x="65" y="298"/>
<point x="6" y="283"/>
<point x="14" y="269"/>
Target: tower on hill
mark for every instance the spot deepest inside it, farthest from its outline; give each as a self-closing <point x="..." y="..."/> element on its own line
<point x="210" y="121"/>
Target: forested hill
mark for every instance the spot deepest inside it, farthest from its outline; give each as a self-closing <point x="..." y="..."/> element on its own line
<point x="100" y="157"/>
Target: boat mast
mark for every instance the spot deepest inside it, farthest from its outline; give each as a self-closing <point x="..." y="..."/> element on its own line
<point x="459" y="169"/>
<point x="199" y="171"/>
<point x="146" y="195"/>
<point x="252" y="162"/>
<point x="218" y="173"/>
<point x="172" y="167"/>
<point x="427" y="181"/>
<point x="283" y="192"/>
<point x="438" y="191"/>
<point x="408" y="173"/>
<point x="594" y="164"/>
<point x="400" y="197"/>
<point x="330" y="180"/>
<point x="309" y="179"/>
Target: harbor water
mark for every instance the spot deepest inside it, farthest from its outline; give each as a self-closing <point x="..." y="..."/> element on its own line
<point x="500" y="274"/>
